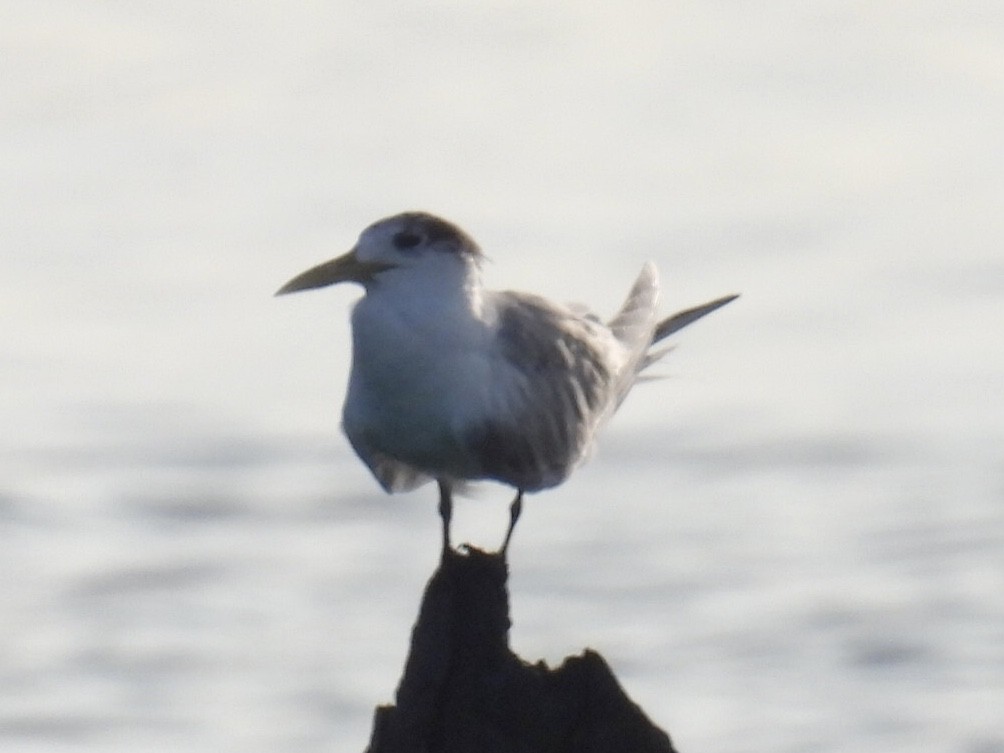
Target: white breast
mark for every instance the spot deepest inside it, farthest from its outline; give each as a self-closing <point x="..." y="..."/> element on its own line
<point x="419" y="376"/>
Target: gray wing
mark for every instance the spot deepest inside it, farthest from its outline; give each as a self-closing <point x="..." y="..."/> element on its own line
<point x="554" y="381"/>
<point x="560" y="374"/>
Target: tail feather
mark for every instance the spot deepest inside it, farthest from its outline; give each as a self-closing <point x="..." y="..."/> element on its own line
<point x="636" y="328"/>
<point x="634" y="323"/>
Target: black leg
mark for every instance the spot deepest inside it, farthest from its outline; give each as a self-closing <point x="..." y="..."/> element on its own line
<point x="445" y="511"/>
<point x="514" y="510"/>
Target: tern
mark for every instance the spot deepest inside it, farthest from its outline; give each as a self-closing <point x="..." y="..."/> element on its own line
<point x="456" y="383"/>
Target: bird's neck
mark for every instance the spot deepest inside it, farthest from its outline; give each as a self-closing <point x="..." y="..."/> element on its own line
<point x="450" y="293"/>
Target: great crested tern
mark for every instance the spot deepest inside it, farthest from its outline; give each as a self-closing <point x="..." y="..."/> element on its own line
<point x="454" y="382"/>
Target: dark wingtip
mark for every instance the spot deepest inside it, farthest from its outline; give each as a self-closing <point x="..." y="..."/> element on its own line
<point x="681" y="319"/>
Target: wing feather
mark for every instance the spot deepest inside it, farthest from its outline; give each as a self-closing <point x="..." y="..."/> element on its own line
<point x="552" y="385"/>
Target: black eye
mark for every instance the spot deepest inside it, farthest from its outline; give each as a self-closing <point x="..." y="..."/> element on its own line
<point x="404" y="240"/>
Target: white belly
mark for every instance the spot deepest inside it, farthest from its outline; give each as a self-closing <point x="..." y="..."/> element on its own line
<point x="413" y="389"/>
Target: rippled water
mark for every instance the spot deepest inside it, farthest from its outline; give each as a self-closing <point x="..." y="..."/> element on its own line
<point x="792" y="543"/>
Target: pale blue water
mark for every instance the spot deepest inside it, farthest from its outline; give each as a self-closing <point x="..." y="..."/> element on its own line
<point x="794" y="543"/>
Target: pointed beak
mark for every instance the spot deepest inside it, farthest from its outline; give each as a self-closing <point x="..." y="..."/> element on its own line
<point x="345" y="268"/>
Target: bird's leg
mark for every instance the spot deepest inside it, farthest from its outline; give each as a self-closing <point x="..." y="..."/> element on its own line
<point x="445" y="512"/>
<point x="514" y="510"/>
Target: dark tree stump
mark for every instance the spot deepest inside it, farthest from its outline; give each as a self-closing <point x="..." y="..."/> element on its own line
<point x="464" y="691"/>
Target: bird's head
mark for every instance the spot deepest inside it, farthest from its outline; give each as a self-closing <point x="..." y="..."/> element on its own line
<point x="414" y="241"/>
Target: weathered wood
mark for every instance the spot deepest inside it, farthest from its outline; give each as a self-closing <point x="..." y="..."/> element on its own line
<point x="464" y="691"/>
